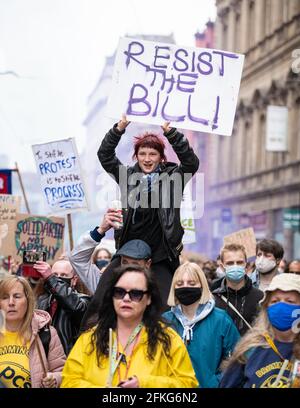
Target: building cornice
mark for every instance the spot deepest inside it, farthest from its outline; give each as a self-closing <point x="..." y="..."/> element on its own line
<point x="269" y="57"/>
<point x="254" y="195"/>
<point x="255" y="175"/>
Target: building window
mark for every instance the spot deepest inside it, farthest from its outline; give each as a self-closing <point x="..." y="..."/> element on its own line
<point x="237" y="34"/>
<point x="285" y="13"/>
<point x="224" y="36"/>
<point x="261" y="142"/>
<point x="297" y="126"/>
<point x="267" y="20"/>
<point x="251" y="22"/>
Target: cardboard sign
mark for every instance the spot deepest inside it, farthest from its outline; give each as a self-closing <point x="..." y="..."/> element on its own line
<point x="193" y="88"/>
<point x="59" y="169"/>
<point x="244" y="237"/>
<point x="31" y="232"/>
<point x="9" y="206"/>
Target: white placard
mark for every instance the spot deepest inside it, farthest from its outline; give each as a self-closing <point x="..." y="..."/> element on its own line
<point x="276" y="131"/>
<point x="61" y="181"/>
<point x="193" y="88"/>
<point x="187" y="216"/>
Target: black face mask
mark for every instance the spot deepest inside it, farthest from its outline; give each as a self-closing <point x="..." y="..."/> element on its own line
<point x="101" y="263"/>
<point x="189" y="295"/>
<point x="66" y="280"/>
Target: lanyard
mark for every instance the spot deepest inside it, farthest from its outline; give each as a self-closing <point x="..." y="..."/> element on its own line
<point x="128" y="363"/>
<point x="116" y="356"/>
<point x="285" y="361"/>
<point x="273" y="346"/>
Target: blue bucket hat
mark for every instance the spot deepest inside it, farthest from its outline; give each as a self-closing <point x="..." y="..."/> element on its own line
<point x="136" y="249"/>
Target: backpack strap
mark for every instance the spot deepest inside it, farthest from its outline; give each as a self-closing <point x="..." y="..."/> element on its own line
<point x="235" y="310"/>
<point x="45" y="336"/>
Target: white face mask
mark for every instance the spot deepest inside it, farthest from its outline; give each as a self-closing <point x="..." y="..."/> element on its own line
<point x="264" y="265"/>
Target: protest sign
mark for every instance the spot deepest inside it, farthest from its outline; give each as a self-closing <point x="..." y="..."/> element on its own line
<point x="9" y="207"/>
<point x="60" y="175"/>
<point x="187" y="216"/>
<point x="6" y="237"/>
<point x="244" y="237"/>
<point x="31" y="232"/>
<point x="193" y="88"/>
<point x="188" y="224"/>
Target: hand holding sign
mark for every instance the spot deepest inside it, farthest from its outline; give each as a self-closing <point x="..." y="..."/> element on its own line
<point x="166" y="127"/>
<point x="122" y="124"/>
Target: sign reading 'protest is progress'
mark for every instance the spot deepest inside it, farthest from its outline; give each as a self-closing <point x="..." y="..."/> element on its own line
<point x="193" y="88"/>
<point x="60" y="174"/>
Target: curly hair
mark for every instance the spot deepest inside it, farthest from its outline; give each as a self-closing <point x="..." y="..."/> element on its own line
<point x="153" y="322"/>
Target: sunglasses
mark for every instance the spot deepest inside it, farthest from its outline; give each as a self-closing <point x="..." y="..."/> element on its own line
<point x="136" y="295"/>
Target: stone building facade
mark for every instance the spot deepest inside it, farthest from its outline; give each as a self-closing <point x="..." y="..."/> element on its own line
<point x="248" y="185"/>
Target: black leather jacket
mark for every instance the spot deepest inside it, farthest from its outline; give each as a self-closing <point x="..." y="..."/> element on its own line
<point x="71" y="307"/>
<point x="169" y="217"/>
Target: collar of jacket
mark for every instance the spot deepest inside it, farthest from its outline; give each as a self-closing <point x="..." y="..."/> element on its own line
<point x="202" y="312"/>
<point x="223" y="288"/>
<point x="40" y="319"/>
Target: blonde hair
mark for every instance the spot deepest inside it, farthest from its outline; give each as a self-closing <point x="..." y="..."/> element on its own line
<point x="194" y="272"/>
<point x="255" y="336"/>
<point x="5" y="286"/>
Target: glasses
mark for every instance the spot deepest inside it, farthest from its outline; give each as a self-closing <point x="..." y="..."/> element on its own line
<point x="136" y="295"/>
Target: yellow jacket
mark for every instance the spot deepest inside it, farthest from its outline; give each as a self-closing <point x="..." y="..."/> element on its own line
<point x="81" y="369"/>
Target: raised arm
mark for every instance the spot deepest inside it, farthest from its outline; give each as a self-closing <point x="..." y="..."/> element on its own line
<point x="80" y="257"/>
<point x="107" y="150"/>
<point x="189" y="162"/>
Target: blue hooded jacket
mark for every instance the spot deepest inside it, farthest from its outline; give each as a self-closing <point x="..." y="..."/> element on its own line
<point x="210" y="337"/>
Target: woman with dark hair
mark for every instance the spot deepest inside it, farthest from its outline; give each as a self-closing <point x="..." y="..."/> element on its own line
<point x="151" y="193"/>
<point x="142" y="351"/>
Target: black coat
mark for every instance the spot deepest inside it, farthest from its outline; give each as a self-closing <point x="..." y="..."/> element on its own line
<point x="245" y="300"/>
<point x="169" y="217"/>
<point x="71" y="307"/>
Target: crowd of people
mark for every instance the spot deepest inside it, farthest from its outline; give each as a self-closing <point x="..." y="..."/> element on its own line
<point x="145" y="316"/>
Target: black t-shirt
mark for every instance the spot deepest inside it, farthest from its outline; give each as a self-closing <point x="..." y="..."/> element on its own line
<point x="145" y="225"/>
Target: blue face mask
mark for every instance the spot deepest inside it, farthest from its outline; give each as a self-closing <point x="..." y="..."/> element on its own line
<point x="281" y="315"/>
<point x="235" y="273"/>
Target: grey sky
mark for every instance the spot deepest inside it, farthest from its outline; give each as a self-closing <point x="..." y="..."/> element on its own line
<point x="58" y="47"/>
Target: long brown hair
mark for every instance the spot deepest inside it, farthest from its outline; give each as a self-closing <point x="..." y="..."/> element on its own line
<point x="255" y="337"/>
<point x="5" y="286"/>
